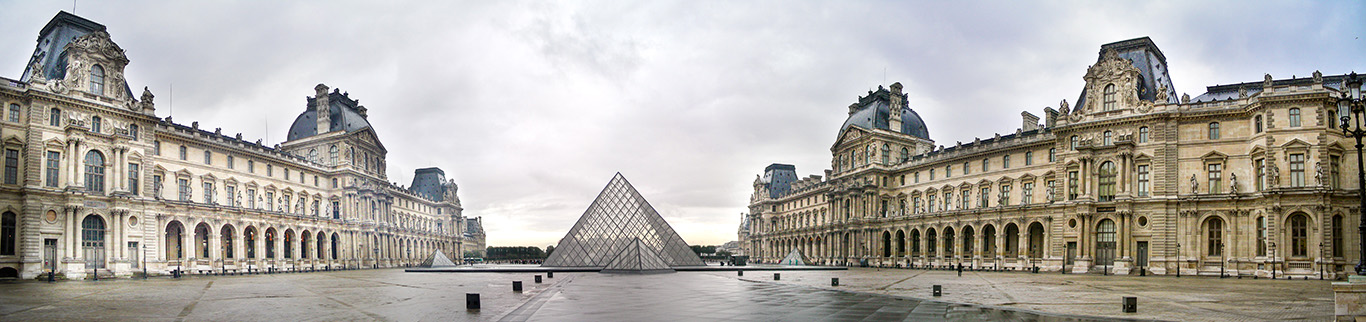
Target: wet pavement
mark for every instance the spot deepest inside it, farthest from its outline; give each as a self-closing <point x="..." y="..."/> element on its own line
<point x="864" y="295"/>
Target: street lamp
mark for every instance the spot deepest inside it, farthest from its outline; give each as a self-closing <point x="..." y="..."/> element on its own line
<point x="144" y="261"/>
<point x="1351" y="101"/>
<point x="376" y="258"/>
<point x="1178" y="259"/>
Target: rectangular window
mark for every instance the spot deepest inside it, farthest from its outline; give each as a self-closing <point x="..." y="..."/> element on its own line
<point x="1296" y="170"/>
<point x="1005" y="162"/>
<point x="986" y="165"/>
<point x="270" y="201"/>
<point x="1260" y="167"/>
<point x="208" y="157"/>
<point x="208" y="192"/>
<point x="1052" y="155"/>
<point x="1072" y="185"/>
<point x="232" y="195"/>
<point x="931" y="174"/>
<point x="930" y="199"/>
<point x="133" y="178"/>
<point x="286" y="173"/>
<point x="1005" y="195"/>
<point x="14" y="113"/>
<point x="1142" y="180"/>
<point x="1333" y="172"/>
<point x="156" y="147"/>
<point x="1029" y="158"/>
<point x="336" y="210"/>
<point x="11" y="166"/>
<point x="985" y="198"/>
<point x="251" y="166"/>
<point x="915" y="204"/>
<point x="967" y="198"/>
<point x="334" y="181"/>
<point x="270" y="170"/>
<point x="917" y="177"/>
<point x="251" y="198"/>
<point x="315" y="181"/>
<point x="184" y="153"/>
<point x="230" y="162"/>
<point x="948" y="171"/>
<point x="1028" y="193"/>
<point x="1215" y="177"/>
<point x="948" y="200"/>
<point x="1052" y="186"/>
<point x="184" y="186"/>
<point x="54" y="161"/>
<point x="965" y="168"/>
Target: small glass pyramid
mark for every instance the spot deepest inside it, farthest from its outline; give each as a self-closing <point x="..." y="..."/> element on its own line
<point x="438" y="259"/>
<point x="795" y="258"/>
<point x="618" y="218"/>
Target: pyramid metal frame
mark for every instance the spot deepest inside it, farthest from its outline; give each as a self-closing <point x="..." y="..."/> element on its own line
<point x="635" y="258"/>
<point x="438" y="259"/>
<point x="619" y="215"/>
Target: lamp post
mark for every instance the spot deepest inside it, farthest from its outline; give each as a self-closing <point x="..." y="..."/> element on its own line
<point x="1351" y="101"/>
<point x="376" y="258"/>
<point x="144" y="261"/>
<point x="1273" y="259"/>
<point x="1178" y="259"/>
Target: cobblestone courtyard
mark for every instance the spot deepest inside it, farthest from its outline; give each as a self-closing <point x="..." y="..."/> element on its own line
<point x="870" y="294"/>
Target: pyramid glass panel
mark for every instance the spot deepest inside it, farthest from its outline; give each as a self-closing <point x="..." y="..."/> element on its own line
<point x="619" y="218"/>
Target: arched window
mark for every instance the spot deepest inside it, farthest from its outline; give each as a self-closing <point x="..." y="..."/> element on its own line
<point x="335" y="245"/>
<point x="289" y="243"/>
<point x="1109" y="98"/>
<point x="201" y="240"/>
<point x="303" y="244"/>
<point x="225" y="241"/>
<point x="175" y="234"/>
<point x="54" y="117"/>
<point x="1214" y="236"/>
<point x="1106" y="179"/>
<point x="94" y="172"/>
<point x="1106" y="138"/>
<point x="886" y="154"/>
<point x="1074" y="142"/>
<point x="332" y="155"/>
<point x="8" y="233"/>
<point x="1036" y="240"/>
<point x="1299" y="235"/>
<point x="915" y="242"/>
<point x="1029" y="157"/>
<point x="930" y="242"/>
<point x="270" y="242"/>
<point x="97" y="80"/>
<point x="948" y="241"/>
<point x="1337" y="236"/>
<point x="322" y="244"/>
<point x="967" y="241"/>
<point x="249" y="242"/>
<point x="313" y="155"/>
<point x="184" y="153"/>
<point x="905" y="154"/>
<point x="92" y="241"/>
<point x="1012" y="240"/>
<point x="1143" y="134"/>
<point x="1294" y="117"/>
<point x="1105" y="242"/>
<point x="1257" y="124"/>
<point x="95" y="124"/>
<point x="1214" y="130"/>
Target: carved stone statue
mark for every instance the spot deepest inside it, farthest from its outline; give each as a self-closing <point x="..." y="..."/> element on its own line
<point x="1185" y="98"/>
<point x="1318" y="174"/>
<point x="1242" y="92"/>
<point x="1273" y="173"/>
<point x="1318" y="77"/>
<point x="1162" y="94"/>
<point x="1195" y="185"/>
<point x="1062" y="107"/>
<point x="1050" y="194"/>
<point x="1266" y="80"/>
<point x="1233" y="183"/>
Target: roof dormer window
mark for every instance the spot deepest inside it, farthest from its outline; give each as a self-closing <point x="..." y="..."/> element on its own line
<point x="97" y="80"/>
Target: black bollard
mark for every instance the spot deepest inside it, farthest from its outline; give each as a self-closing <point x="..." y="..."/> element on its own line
<point x="517" y="286"/>
<point x="1130" y="304"/>
<point x="1142" y="271"/>
<point x="51" y="276"/>
<point x="472" y="301"/>
<point x="938" y="290"/>
<point x="739" y="273"/>
<point x="549" y="274"/>
<point x="538" y="279"/>
<point x="834" y="281"/>
<point x="776" y="276"/>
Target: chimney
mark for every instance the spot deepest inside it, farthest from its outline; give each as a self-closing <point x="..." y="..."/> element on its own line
<point x="894" y="118"/>
<point x="1029" y="122"/>
<point x="1051" y="117"/>
<point x="322" y="105"/>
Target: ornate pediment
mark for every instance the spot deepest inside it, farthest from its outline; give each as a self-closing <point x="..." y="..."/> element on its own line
<point x="1116" y="71"/>
<point x="99" y="43"/>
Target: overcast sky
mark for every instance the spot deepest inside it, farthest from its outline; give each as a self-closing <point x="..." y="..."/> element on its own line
<point x="532" y="106"/>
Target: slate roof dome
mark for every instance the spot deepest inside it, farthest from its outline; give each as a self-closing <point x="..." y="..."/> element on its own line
<point x="346" y="115"/>
<point x="873" y="111"/>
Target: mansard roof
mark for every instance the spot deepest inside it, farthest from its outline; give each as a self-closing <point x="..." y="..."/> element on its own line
<point x="346" y="115"/>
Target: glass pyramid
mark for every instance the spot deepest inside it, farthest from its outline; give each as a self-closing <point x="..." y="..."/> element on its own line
<point x="616" y="219"/>
<point x="638" y="259"/>
<point x="794" y="257"/>
<point x="438" y="259"/>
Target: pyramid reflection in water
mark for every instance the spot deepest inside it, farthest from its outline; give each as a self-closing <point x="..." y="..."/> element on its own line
<point x="617" y="221"/>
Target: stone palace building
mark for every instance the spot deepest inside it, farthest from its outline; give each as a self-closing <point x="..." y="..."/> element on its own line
<point x="95" y="182"/>
<point x="1249" y="179"/>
